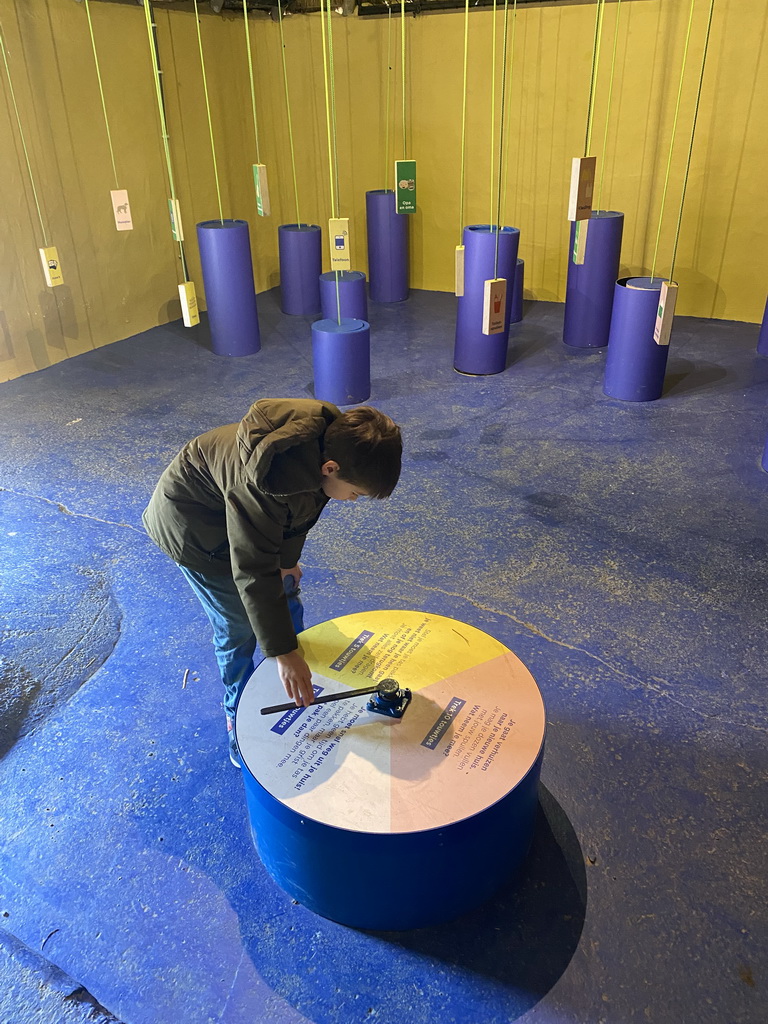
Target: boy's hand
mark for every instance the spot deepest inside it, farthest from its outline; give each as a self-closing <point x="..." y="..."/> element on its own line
<point x="296" y="678"/>
<point x="295" y="572"/>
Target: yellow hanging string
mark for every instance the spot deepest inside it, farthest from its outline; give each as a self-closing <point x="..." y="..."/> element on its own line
<point x="250" y="72"/>
<point x="288" y="110"/>
<point x="506" y="154"/>
<point x="593" y="77"/>
<point x="23" y="140"/>
<point x="693" y="134"/>
<point x="389" y="78"/>
<point x="208" y="109"/>
<point x="493" y="109"/>
<point x="608" y="109"/>
<point x="334" y="213"/>
<point x="672" y="140"/>
<point x="402" y="68"/>
<point x="101" y="92"/>
<point x="163" y="123"/>
<point x="332" y="75"/>
<point x="501" y="137"/>
<point x="463" y="123"/>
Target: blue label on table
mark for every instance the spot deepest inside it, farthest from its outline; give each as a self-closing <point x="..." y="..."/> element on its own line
<point x="346" y="656"/>
<point x="290" y="717"/>
<point x="438" y="730"/>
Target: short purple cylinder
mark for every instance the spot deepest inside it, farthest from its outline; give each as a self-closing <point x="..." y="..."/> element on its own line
<point x="301" y="262"/>
<point x="387" y="247"/>
<point x="635" y="364"/>
<point x="516" y="309"/>
<point x="764" y="460"/>
<point x="341" y="359"/>
<point x="591" y="284"/>
<point x="475" y="352"/>
<point x="230" y="294"/>
<point x="352" y="297"/>
<point x="762" y="339"/>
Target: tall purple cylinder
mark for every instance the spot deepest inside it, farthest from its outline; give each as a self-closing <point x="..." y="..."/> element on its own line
<point x="516" y="309"/>
<point x="475" y="352"/>
<point x="352" y="298"/>
<point x="230" y="294"/>
<point x="300" y="266"/>
<point x="387" y="247"/>
<point x="762" y="340"/>
<point x="591" y="284"/>
<point x="341" y="359"/>
<point x="635" y="364"/>
<point x="764" y="460"/>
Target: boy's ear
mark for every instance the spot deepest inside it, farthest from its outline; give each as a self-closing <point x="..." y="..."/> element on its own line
<point x="329" y="468"/>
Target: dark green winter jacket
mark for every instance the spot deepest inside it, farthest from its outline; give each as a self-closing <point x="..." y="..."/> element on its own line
<point x="240" y="499"/>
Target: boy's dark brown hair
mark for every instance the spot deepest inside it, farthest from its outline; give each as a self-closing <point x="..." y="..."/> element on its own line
<point x="368" y="447"/>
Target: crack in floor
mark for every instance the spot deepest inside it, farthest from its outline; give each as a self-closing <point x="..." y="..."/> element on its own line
<point x="68" y="511"/>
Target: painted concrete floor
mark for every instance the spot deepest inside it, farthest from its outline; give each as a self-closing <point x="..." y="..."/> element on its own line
<point x="619" y="550"/>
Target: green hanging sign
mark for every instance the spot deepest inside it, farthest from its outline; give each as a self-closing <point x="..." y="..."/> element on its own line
<point x="405" y="185"/>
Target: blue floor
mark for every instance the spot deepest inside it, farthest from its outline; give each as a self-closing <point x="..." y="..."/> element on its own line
<point x="620" y="550"/>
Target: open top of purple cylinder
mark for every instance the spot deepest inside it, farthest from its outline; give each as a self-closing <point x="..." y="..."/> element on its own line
<point x="380" y="192"/>
<point x="222" y="223"/>
<point x="299" y="227"/>
<point x="491" y="229"/>
<point x="344" y="275"/>
<point x="642" y="284"/>
<point x="347" y="326"/>
<point x="604" y="214"/>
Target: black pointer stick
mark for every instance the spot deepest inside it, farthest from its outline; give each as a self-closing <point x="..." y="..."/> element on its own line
<point x="320" y="700"/>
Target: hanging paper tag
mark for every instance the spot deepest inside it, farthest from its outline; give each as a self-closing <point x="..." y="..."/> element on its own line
<point x="405" y="185"/>
<point x="338" y="233"/>
<point x="459" y="290"/>
<point x="121" y="209"/>
<point x="50" y="259"/>
<point x="175" y="212"/>
<point x="666" y="313"/>
<point x="189" y="309"/>
<point x="494" y="305"/>
<point x="582" y="185"/>
<point x="262" y="190"/>
<point x="580" y="241"/>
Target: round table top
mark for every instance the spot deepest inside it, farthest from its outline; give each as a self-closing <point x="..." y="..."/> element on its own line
<point x="472" y="731"/>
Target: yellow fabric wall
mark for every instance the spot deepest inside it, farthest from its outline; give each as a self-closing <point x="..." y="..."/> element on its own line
<point x="117" y="284"/>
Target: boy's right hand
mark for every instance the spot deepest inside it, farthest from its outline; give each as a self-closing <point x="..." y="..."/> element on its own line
<point x="296" y="678"/>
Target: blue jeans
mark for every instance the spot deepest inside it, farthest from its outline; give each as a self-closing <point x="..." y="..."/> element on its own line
<point x="237" y="651"/>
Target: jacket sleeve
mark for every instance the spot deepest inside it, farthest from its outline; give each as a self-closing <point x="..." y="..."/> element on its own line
<point x="256" y="545"/>
<point x="291" y="549"/>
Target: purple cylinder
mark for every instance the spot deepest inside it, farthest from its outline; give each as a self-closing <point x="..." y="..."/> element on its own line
<point x="635" y="364"/>
<point x="475" y="352"/>
<point x="516" y="309"/>
<point x="762" y="340"/>
<point x="341" y="359"/>
<point x="230" y="294"/>
<point x="300" y="265"/>
<point x="764" y="460"/>
<point x="387" y="247"/>
<point x="590" y="288"/>
<point x="352" y="298"/>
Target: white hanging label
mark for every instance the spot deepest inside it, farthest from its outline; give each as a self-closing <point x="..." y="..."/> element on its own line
<point x="175" y="212"/>
<point x="665" y="313"/>
<point x="121" y="209"/>
<point x="582" y="186"/>
<point x="262" y="190"/>
<point x="494" y="305"/>
<point x="51" y="266"/>
<point x="189" y="309"/>
<point x="459" y="288"/>
<point x="338" y="233"/>
<point x="580" y="241"/>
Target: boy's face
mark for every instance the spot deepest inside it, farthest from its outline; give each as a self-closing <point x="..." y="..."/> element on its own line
<point x="334" y="487"/>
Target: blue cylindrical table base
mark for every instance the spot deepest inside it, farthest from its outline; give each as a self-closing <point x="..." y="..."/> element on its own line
<point x="230" y="294"/>
<point x="352" y="298"/>
<point x="591" y="284"/>
<point x="387" y="247"/>
<point x="635" y="364"/>
<point x="762" y="340"/>
<point x="475" y="352"/>
<point x="392" y="823"/>
<point x="300" y="266"/>
<point x="341" y="358"/>
<point x="516" y="309"/>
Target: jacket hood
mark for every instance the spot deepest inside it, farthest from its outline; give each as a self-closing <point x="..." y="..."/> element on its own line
<point x="273" y="427"/>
